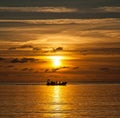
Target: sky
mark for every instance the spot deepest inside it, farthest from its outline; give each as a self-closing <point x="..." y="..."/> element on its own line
<point x="70" y="40"/>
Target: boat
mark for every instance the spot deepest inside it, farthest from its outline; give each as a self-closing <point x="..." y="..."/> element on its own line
<point x="54" y="83"/>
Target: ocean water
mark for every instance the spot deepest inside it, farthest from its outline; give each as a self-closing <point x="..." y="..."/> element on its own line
<point x="71" y="101"/>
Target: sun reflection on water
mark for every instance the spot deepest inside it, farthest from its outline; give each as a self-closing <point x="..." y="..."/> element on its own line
<point x="57" y="93"/>
<point x="57" y="98"/>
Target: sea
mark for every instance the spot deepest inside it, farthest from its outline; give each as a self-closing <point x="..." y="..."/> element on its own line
<point x="70" y="101"/>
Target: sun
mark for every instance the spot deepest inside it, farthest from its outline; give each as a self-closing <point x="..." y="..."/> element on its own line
<point x="56" y="61"/>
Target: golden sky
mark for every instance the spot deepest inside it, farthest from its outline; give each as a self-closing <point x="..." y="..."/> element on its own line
<point x="63" y="40"/>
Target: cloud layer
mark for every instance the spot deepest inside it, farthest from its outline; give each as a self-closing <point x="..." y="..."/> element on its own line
<point x="66" y="9"/>
<point x="38" y="9"/>
<point x="64" y="21"/>
<point x="73" y="30"/>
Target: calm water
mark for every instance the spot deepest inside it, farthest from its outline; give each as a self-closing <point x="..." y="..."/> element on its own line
<point x="71" y="101"/>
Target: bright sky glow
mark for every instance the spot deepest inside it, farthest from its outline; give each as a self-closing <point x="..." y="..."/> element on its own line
<point x="56" y="60"/>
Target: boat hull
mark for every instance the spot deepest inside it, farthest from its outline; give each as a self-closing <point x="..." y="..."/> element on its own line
<point x="51" y="83"/>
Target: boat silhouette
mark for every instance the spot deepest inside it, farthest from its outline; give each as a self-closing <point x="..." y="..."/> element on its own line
<point x="54" y="83"/>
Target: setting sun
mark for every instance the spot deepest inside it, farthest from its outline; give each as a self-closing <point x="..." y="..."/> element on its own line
<point x="56" y="60"/>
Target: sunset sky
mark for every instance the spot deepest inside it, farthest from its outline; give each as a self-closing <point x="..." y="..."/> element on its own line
<point x="70" y="40"/>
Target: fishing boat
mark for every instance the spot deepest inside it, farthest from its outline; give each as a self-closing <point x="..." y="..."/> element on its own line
<point x="54" y="83"/>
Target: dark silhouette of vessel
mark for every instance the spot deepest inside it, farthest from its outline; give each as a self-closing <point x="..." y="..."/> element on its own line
<point x="55" y="83"/>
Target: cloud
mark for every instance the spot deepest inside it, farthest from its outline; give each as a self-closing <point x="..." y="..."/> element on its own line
<point x="75" y="68"/>
<point x="48" y="3"/>
<point x="104" y="69"/>
<point x="57" y="49"/>
<point x="39" y="9"/>
<point x="23" y="60"/>
<point x="52" y="70"/>
<point x="2" y="59"/>
<point x="25" y="47"/>
<point x="27" y="69"/>
<point x="61" y="31"/>
<point x="12" y="48"/>
<point x="9" y="66"/>
<point x="109" y="9"/>
<point x="46" y="70"/>
<point x="58" y="9"/>
<point x="29" y="46"/>
<point x="90" y="13"/>
<point x="62" y="9"/>
<point x="36" y="49"/>
<point x="54" y="22"/>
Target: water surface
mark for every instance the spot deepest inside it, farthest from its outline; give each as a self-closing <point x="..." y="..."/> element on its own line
<point x="71" y="101"/>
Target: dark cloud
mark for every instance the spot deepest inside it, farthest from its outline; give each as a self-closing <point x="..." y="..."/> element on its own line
<point x="99" y="50"/>
<point x="46" y="70"/>
<point x="84" y="9"/>
<point x="75" y="68"/>
<point x="9" y="66"/>
<point x="65" y="67"/>
<point x="24" y="69"/>
<point x="57" y="49"/>
<point x="25" y="47"/>
<point x="52" y="70"/>
<point x="12" y="48"/>
<point x="23" y="60"/>
<point x="36" y="49"/>
<point x="2" y="59"/>
<point x="27" y="69"/>
<point x="30" y="46"/>
<point x="104" y="69"/>
<point x="28" y="16"/>
<point x="68" y="3"/>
